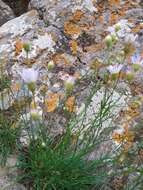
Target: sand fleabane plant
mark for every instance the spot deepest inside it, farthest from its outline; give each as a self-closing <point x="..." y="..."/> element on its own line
<point x="30" y="76"/>
<point x="62" y="162"/>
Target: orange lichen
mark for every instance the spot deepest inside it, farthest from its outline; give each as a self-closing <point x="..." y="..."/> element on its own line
<point x="60" y="58"/>
<point x="114" y="2"/>
<point x="70" y="104"/>
<point x="113" y="18"/>
<point x="117" y="137"/>
<point x="136" y="29"/>
<point x="71" y="28"/>
<point x="74" y="47"/>
<point x="15" y="87"/>
<point x="51" y="102"/>
<point x="78" y="14"/>
<point x="18" y="47"/>
<point x="126" y="136"/>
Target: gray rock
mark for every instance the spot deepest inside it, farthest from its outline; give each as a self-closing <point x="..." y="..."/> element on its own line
<point x="6" y="185"/>
<point x="39" y="5"/>
<point x="8" y="174"/>
<point x="135" y="13"/>
<point x="16" y="187"/>
<point x="6" y="13"/>
<point x="56" y="12"/>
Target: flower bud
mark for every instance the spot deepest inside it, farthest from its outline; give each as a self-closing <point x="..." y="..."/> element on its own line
<point x="51" y="65"/>
<point x="136" y="67"/>
<point x="122" y="53"/>
<point x="69" y="84"/>
<point x="31" y="86"/>
<point x="114" y="37"/>
<point x="114" y="76"/>
<point x="117" y="27"/>
<point x="43" y="144"/>
<point x="129" y="76"/>
<point x="27" y="47"/>
<point x="109" y="41"/>
<point x="35" y="116"/>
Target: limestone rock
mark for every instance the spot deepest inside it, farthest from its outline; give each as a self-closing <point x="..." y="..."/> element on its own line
<point x="56" y="12"/>
<point x="6" y="13"/>
<point x="135" y="13"/>
<point x="8" y="174"/>
<point x="19" y="25"/>
<point x="38" y="5"/>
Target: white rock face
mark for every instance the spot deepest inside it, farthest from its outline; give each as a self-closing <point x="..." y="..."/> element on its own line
<point x="15" y="29"/>
<point x="44" y="42"/>
<point x="116" y="101"/>
<point x="19" y="25"/>
<point x="51" y="10"/>
<point x="7" y="173"/>
<point x="25" y="28"/>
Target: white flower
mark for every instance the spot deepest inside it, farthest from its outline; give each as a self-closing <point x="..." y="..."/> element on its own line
<point x="113" y="69"/>
<point x="88" y="4"/>
<point x="70" y="80"/>
<point x="29" y="75"/>
<point x="137" y="59"/>
<point x="111" y="29"/>
<point x="130" y="38"/>
<point x="123" y="22"/>
<point x="69" y="83"/>
<point x="125" y="25"/>
<point x="121" y="28"/>
<point x="36" y="114"/>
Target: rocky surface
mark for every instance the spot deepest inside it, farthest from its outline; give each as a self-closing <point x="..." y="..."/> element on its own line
<point x="6" y="13"/>
<point x="44" y="28"/>
<point x="8" y="176"/>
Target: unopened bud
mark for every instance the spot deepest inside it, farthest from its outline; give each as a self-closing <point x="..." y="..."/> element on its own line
<point x="114" y="76"/>
<point x="27" y="47"/>
<point x="129" y="76"/>
<point x="114" y="37"/>
<point x="122" y="53"/>
<point x="35" y="116"/>
<point x="43" y="144"/>
<point x="32" y="86"/>
<point x="109" y="41"/>
<point x="51" y="65"/>
<point x="69" y="84"/>
<point x="136" y="67"/>
<point x="117" y="27"/>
